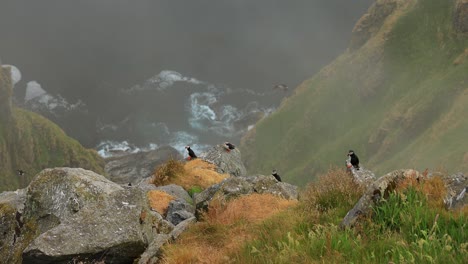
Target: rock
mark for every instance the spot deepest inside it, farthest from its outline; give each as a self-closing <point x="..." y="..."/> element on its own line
<point x="78" y="215"/>
<point x="268" y="184"/>
<point x="457" y="187"/>
<point x="181" y="227"/>
<point x="460" y="16"/>
<point x="176" y="191"/>
<point x="12" y="238"/>
<point x="237" y="186"/>
<point x="378" y="189"/>
<point x="178" y="211"/>
<point x="153" y="252"/>
<point x="132" y="168"/>
<point x="362" y="176"/>
<point x="226" y="161"/>
<point x="371" y="22"/>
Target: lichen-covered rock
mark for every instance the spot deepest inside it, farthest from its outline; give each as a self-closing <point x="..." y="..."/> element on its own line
<point x="371" y="22"/>
<point x="80" y="215"/>
<point x="378" y="189"/>
<point x="237" y="186"/>
<point x="176" y="191"/>
<point x="362" y="176"/>
<point x="132" y="168"/>
<point x="226" y="161"/>
<point x="457" y="188"/>
<point x="178" y="211"/>
<point x="460" y="16"/>
<point x="13" y="236"/>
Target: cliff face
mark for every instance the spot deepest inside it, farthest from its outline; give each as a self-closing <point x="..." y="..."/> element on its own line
<point x="5" y="94"/>
<point x="398" y="97"/>
<point x="30" y="142"/>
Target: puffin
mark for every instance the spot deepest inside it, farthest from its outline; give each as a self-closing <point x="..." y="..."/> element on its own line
<point x="276" y="175"/>
<point x="354" y="159"/>
<point x="190" y="152"/>
<point x="229" y="146"/>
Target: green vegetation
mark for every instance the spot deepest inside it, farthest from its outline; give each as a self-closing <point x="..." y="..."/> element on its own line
<point x="411" y="225"/>
<point x="404" y="228"/>
<point x="32" y="143"/>
<point x="399" y="101"/>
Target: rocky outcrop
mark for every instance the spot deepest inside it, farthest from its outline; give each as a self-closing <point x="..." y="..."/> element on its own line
<point x="226" y="161"/>
<point x="132" y="168"/>
<point x="457" y="188"/>
<point x="378" y="189"/>
<point x="456" y="184"/>
<point x="460" y="16"/>
<point x="71" y="215"/>
<point x="236" y="186"/>
<point x="370" y="23"/>
<point x="362" y="176"/>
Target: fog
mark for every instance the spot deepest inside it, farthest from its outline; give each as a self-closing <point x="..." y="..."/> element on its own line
<point x="92" y="53"/>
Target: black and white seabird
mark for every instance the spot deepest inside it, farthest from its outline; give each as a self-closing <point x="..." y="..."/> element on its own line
<point x="21" y="172"/>
<point x="354" y="159"/>
<point x="191" y="153"/>
<point x="229" y="146"/>
<point x="276" y="175"/>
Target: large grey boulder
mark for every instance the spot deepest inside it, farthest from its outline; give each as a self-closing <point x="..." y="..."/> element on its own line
<point x="236" y="186"/>
<point x="132" y="168"/>
<point x="378" y="189"/>
<point x="226" y="161"/>
<point x="78" y="214"/>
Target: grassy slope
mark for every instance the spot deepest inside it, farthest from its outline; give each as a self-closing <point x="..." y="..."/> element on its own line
<point x="31" y="142"/>
<point x="399" y="101"/>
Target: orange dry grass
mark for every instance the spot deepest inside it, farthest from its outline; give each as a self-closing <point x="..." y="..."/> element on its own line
<point x="199" y="173"/>
<point x="251" y="208"/>
<point x="434" y="188"/>
<point x="226" y="228"/>
<point x="159" y="201"/>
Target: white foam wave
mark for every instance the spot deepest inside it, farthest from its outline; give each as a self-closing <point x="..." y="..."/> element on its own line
<point x="163" y="81"/>
<point x="37" y="99"/>
<point x="177" y="140"/>
<point x="33" y="90"/>
<point x="110" y="148"/>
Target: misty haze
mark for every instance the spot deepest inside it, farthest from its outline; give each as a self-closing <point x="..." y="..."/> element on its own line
<point x="152" y="73"/>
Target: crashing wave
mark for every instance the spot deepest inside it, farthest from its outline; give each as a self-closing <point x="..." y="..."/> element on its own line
<point x="162" y="81"/>
<point x="37" y="99"/>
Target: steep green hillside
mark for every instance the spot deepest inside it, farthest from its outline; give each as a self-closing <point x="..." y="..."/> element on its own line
<point x="31" y="143"/>
<point x="398" y="97"/>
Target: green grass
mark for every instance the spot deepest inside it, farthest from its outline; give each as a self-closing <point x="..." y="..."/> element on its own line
<point x="404" y="228"/>
<point x="416" y="108"/>
<point x="32" y="143"/>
